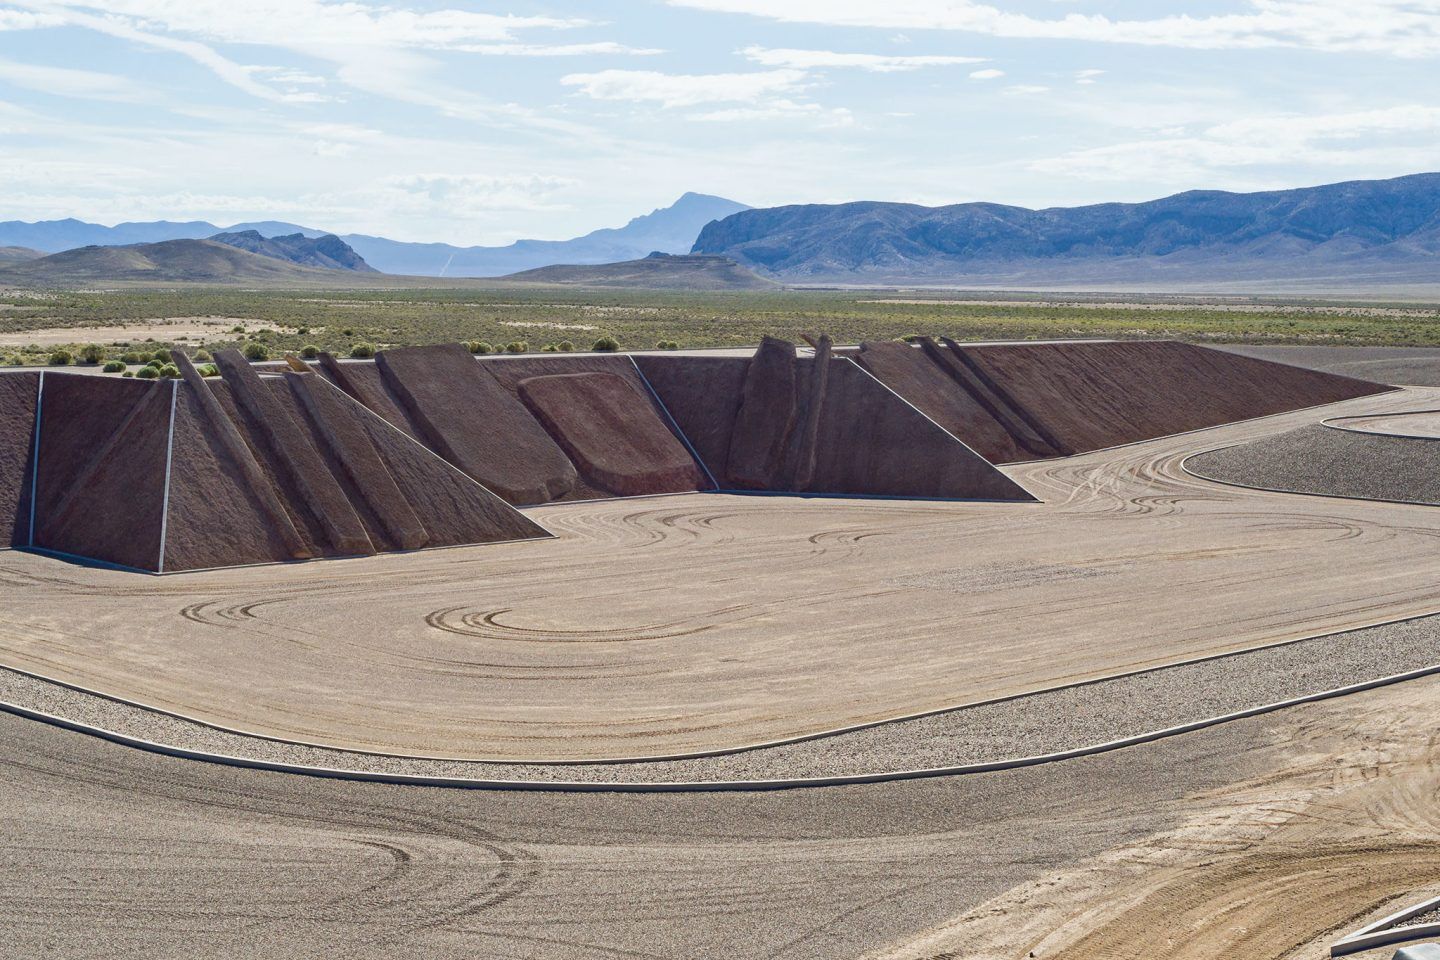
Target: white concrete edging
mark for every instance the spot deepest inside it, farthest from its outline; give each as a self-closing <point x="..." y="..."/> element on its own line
<point x="1387" y="930"/>
<point x="717" y="786"/>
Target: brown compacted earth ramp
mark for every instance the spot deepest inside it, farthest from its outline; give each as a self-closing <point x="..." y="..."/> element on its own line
<point x="712" y="621"/>
<point x="1028" y="401"/>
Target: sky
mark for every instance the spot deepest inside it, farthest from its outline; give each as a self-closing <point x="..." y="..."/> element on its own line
<point x="484" y="122"/>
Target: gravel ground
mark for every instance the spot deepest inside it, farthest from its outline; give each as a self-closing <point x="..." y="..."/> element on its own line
<point x="1337" y="463"/>
<point x="1039" y="723"/>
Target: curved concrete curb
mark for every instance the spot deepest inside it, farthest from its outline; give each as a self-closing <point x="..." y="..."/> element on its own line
<point x="1185" y="461"/>
<point x="715" y="786"/>
<point x="1386" y="930"/>
<point x="1337" y="423"/>
<point x="725" y="751"/>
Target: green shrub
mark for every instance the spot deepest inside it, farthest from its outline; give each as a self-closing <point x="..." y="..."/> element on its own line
<point x="113" y="366"/>
<point x="170" y="370"/>
<point x="133" y="358"/>
<point x="127" y="373"/>
<point x="347" y="332"/>
<point x="566" y="346"/>
<point x="256" y="351"/>
<point x="516" y="346"/>
<point x="205" y="370"/>
<point x="549" y="348"/>
<point x="309" y="351"/>
<point x="667" y="345"/>
<point x="155" y="364"/>
<point x="362" y="351"/>
<point x="148" y="373"/>
<point x="480" y="346"/>
<point x="162" y="355"/>
<point x="92" y="353"/>
<point x="606" y="345"/>
<point x="203" y="355"/>
<point x="237" y="329"/>
<point x="15" y="360"/>
<point x="60" y="358"/>
<point x="303" y="331"/>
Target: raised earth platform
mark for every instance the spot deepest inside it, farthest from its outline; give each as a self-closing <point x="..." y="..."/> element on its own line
<point x="714" y="621"/>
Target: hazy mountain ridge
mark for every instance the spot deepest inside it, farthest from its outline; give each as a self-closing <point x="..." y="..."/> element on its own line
<point x="657" y="271"/>
<point x="169" y="261"/>
<point x="327" y="252"/>
<point x="1387" y="226"/>
<point x="671" y="229"/>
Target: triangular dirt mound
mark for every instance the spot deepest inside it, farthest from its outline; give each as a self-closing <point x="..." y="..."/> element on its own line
<point x="1028" y="401"/>
<point x="815" y="425"/>
<point x="397" y="494"/>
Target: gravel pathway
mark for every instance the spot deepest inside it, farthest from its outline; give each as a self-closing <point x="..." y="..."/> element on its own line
<point x="1038" y="723"/>
<point x="1337" y="463"/>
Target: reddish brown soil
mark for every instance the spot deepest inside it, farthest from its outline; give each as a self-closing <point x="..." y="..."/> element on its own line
<point x="703" y="395"/>
<point x="454" y="508"/>
<point x="216" y="518"/>
<point x="17" y="436"/>
<point x="1093" y="395"/>
<point x="404" y="495"/>
<point x="872" y="443"/>
<point x="101" y="482"/>
<point x="766" y="418"/>
<point x="390" y="522"/>
<point x="510" y="371"/>
<point x="865" y="441"/>
<point x="272" y="423"/>
<point x="363" y="382"/>
<point x="612" y="433"/>
<point x="475" y="424"/>
<point x="929" y="384"/>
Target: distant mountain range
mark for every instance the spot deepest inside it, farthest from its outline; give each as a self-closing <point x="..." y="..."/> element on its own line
<point x="328" y="252"/>
<point x="170" y="261"/>
<point x="1371" y="231"/>
<point x="671" y="229"/>
<point x="659" y="271"/>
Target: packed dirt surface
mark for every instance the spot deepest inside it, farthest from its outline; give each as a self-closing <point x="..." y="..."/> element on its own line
<point x="710" y="621"/>
<point x="1273" y="867"/>
<point x="1255" y="840"/>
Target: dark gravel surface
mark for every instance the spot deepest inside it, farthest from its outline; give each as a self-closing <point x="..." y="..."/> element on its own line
<point x="1336" y="463"/>
<point x="1408" y="366"/>
<point x="1039" y="723"/>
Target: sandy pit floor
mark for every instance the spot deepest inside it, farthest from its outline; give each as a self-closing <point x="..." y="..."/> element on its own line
<point x="695" y="622"/>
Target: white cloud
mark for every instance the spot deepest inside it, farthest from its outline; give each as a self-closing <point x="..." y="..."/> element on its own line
<point x="1407" y="28"/>
<point x="1087" y="76"/>
<point x="684" y="90"/>
<point x="603" y="47"/>
<point x="68" y="82"/>
<point x="986" y="74"/>
<point x="812" y="114"/>
<point x="378" y="49"/>
<point x="464" y="196"/>
<point x="1025" y="89"/>
<point x="1404" y="137"/>
<point x="873" y="62"/>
